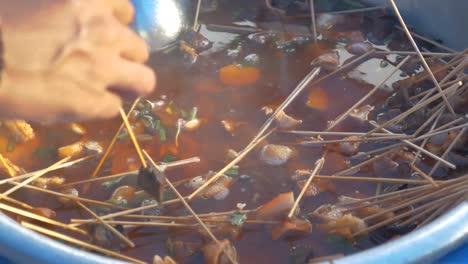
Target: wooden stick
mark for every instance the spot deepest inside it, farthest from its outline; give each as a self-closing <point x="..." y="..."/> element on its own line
<point x="71" y="197"/>
<point x="447" y="151"/>
<point x="132" y="136"/>
<point x="313" y="22"/>
<point x="363" y="139"/>
<point x="423" y="60"/>
<point x="187" y="206"/>
<point x="364" y="163"/>
<point x="424" y="175"/>
<point x="14" y="201"/>
<point x="107" y="225"/>
<point x="134" y="223"/>
<point x="230" y="165"/>
<point x="437" y="44"/>
<point x="409" y="143"/>
<point x="40" y="218"/>
<point x="30" y="174"/>
<point x="343" y="116"/>
<point x="109" y="148"/>
<point x="414" y="109"/>
<point x="79" y="243"/>
<point x="401" y="52"/>
<point x="39" y="174"/>
<point x="299" y="88"/>
<point x="135" y="172"/>
<point x="197" y="14"/>
<point x="372" y="179"/>
<point x="318" y="166"/>
<point x="403" y="215"/>
<point x="327" y="133"/>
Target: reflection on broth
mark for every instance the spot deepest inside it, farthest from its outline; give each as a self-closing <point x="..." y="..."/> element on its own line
<point x="214" y="93"/>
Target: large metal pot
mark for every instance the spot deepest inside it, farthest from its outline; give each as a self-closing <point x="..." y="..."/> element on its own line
<point x="422" y="246"/>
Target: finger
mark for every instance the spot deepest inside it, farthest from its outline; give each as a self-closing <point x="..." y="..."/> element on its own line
<point x="133" y="47"/>
<point x="130" y="77"/>
<point x="123" y="10"/>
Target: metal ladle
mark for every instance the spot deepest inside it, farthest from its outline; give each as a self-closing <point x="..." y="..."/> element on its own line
<point x="160" y="22"/>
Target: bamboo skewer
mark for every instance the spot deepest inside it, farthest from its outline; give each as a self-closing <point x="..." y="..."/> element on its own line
<point x="447" y="151"/>
<point x="111" y="144"/>
<point x="230" y="165"/>
<point x="30" y="174"/>
<point x="107" y="225"/>
<point x="312" y="17"/>
<point x="372" y="179"/>
<point x="437" y="44"/>
<point x="363" y="139"/>
<point x="135" y="172"/>
<point x="423" y="60"/>
<point x="327" y="133"/>
<point x="32" y="178"/>
<point x="414" y="109"/>
<point x="409" y="143"/>
<point x="134" y="140"/>
<point x="197" y="15"/>
<point x="424" y="175"/>
<point x="187" y="206"/>
<point x="14" y="201"/>
<point x="71" y="197"/>
<point x="40" y="218"/>
<point x="318" y="166"/>
<point x="79" y="243"/>
<point x="343" y="116"/>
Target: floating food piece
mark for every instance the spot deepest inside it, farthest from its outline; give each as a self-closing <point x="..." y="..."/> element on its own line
<point x="45" y="212"/>
<point x="71" y="192"/>
<point x="263" y="37"/>
<point x="328" y="212"/>
<point x="362" y="113"/>
<point x="359" y="48"/>
<point x="348" y="148"/>
<point x="278" y="208"/>
<point x="312" y="189"/>
<point x="196" y="182"/>
<point x="344" y="36"/>
<point x="238" y="75"/>
<point x="318" y="99"/>
<point x="328" y="21"/>
<point x="9" y="168"/>
<point x="124" y="194"/>
<point x="196" y="41"/>
<point x="151" y="182"/>
<point x="80" y="148"/>
<point x="385" y="167"/>
<point x="191" y="125"/>
<point x="300" y="174"/>
<point x="167" y="260"/>
<point x="102" y="236"/>
<point x="231" y="125"/>
<point x="77" y="128"/>
<point x="49" y="182"/>
<point x="216" y="253"/>
<point x="20" y="130"/>
<point x="275" y="155"/>
<point x="291" y="227"/>
<point x="344" y="226"/>
<point x="219" y="189"/>
<point x="181" y="250"/>
<point x="155" y="211"/>
<point x="189" y="51"/>
<point x="329" y="61"/>
<point x="284" y="121"/>
<point x="251" y="60"/>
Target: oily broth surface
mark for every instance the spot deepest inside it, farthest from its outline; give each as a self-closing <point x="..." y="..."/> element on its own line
<point x="280" y="73"/>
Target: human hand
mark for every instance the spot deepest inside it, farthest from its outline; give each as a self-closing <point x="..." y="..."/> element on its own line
<point x="70" y="59"/>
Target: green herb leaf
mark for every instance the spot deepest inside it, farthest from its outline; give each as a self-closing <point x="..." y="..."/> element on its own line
<point x="169" y="158"/>
<point x="233" y="171"/>
<point x="162" y="135"/>
<point x="113" y="183"/>
<point x="45" y="152"/>
<point x="238" y="218"/>
<point x="194" y="113"/>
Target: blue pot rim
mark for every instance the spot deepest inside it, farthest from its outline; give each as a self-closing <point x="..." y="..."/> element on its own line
<point x="424" y="245"/>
